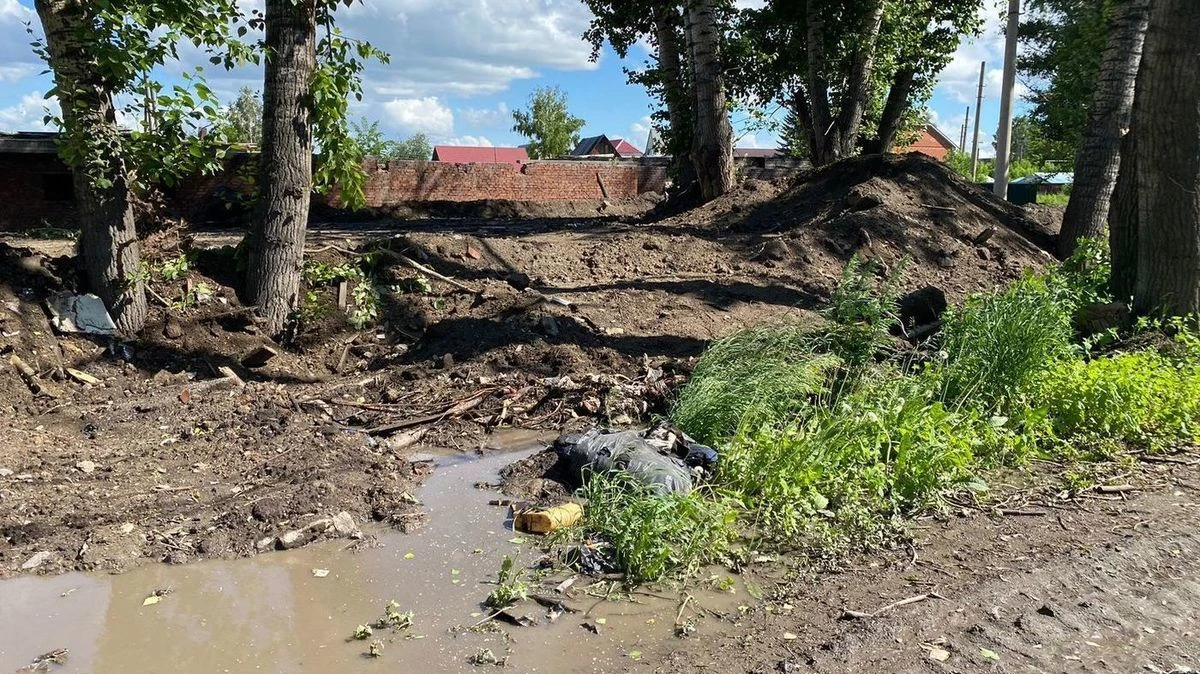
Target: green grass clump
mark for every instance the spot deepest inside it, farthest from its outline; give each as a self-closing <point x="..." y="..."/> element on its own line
<point x="654" y="535"/>
<point x="753" y="375"/>
<point x="1141" y="398"/>
<point x="995" y="345"/>
<point x="887" y="448"/>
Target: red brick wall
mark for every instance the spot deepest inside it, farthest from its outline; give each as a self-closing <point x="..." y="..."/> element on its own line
<point x="203" y="198"/>
<point x="927" y="145"/>
<point x="541" y="181"/>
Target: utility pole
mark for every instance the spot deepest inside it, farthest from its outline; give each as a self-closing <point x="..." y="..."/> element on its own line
<point x="962" y="134"/>
<point x="1004" y="134"/>
<point x="975" y="143"/>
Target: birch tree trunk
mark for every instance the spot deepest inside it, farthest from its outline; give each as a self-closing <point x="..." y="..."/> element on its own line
<point x="277" y="241"/>
<point x="108" y="239"/>
<point x="666" y="28"/>
<point x="1098" y="160"/>
<point x="712" y="147"/>
<point x="1167" y="119"/>
<point x="858" y="90"/>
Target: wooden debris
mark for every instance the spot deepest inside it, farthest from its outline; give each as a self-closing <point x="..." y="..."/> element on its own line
<point x="1113" y="488"/>
<point x="83" y="377"/>
<point x="982" y="237"/>
<point x="259" y="356"/>
<point x="944" y="209"/>
<point x="427" y="271"/>
<point x="847" y="614"/>
<point x="455" y="410"/>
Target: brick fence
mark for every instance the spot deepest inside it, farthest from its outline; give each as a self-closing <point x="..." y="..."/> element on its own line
<point x="400" y="182"/>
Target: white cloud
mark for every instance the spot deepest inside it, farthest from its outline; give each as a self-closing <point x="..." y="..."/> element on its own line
<point x="471" y="141"/>
<point x="497" y="116"/>
<point x="467" y="47"/>
<point x="426" y="115"/>
<point x="27" y="114"/>
<point x="639" y="132"/>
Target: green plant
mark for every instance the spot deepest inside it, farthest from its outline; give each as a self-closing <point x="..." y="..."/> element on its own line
<point x="1082" y="279"/>
<point x="862" y="310"/>
<point x="364" y="308"/>
<point x="997" y="343"/>
<point x="886" y="448"/>
<point x="656" y="535"/>
<point x="510" y="586"/>
<point x="173" y="270"/>
<point x="362" y="632"/>
<point x="751" y="377"/>
<point x="1140" y="398"/>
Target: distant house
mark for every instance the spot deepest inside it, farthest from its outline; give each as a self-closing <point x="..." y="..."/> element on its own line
<point x="464" y="154"/>
<point x="603" y="146"/>
<point x="931" y="142"/>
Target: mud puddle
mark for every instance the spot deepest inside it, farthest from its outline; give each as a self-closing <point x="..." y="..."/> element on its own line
<point x="277" y="613"/>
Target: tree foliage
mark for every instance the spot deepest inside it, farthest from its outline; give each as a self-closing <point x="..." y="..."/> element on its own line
<point x="372" y="142"/>
<point x="552" y="130"/>
<point x="849" y="69"/>
<point x="1062" y="44"/>
<point x="245" y="117"/>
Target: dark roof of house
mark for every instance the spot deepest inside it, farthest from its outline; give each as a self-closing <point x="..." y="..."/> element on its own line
<point x="29" y="142"/>
<point x="585" y="145"/>
<point x="463" y="154"/>
<point x="622" y="147"/>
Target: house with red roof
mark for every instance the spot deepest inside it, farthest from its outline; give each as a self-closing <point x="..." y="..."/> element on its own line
<point x="466" y="154"/>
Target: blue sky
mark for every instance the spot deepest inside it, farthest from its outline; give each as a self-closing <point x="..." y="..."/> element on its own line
<point x="459" y="67"/>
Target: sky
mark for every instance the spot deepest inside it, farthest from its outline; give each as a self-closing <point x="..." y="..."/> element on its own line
<point x="459" y="67"/>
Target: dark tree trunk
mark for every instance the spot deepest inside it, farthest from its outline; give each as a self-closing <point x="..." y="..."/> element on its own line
<point x="712" y="148"/>
<point x="277" y="241"/>
<point x="1167" y="119"/>
<point x="1098" y="160"/>
<point x="893" y="112"/>
<point x="1123" y="223"/>
<point x="858" y="89"/>
<point x="822" y="151"/>
<point x="108" y="240"/>
<point x="666" y="31"/>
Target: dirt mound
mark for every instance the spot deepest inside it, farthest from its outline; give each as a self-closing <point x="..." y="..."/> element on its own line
<point x="888" y="208"/>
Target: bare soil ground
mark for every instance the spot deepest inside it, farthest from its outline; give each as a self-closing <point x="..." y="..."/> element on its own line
<point x="565" y="322"/>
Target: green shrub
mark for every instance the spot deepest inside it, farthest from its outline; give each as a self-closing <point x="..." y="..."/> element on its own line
<point x="861" y="312"/>
<point x="1140" y="398"/>
<point x="656" y="535"/>
<point x="751" y="377"/>
<point x="996" y="344"/>
<point x="885" y="449"/>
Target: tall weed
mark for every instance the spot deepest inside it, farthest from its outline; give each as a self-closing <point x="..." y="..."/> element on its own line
<point x="754" y="376"/>
<point x="997" y="344"/>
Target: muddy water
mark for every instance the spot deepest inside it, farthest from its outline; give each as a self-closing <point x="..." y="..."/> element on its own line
<point x="271" y="613"/>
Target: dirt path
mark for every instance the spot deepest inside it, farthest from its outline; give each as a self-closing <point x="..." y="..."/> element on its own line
<point x="1100" y="586"/>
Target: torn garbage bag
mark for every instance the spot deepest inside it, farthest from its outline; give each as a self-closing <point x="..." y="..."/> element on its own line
<point x="597" y="451"/>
